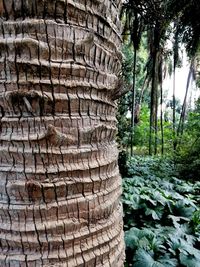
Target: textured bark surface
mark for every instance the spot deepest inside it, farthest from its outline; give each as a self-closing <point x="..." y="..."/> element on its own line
<point x="59" y="181"/>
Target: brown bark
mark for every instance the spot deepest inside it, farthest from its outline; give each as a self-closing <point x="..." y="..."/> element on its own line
<point x="59" y="181"/>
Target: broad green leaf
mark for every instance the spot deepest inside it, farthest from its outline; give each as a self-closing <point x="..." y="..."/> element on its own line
<point x="189" y="261"/>
<point x="144" y="259"/>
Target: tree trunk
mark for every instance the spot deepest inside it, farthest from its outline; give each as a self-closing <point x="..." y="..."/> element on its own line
<point x="174" y="107"/>
<point x="144" y="86"/>
<point x="161" y="116"/>
<point x="153" y="109"/>
<point x="133" y="101"/>
<point x="59" y="181"/>
<point x="184" y="106"/>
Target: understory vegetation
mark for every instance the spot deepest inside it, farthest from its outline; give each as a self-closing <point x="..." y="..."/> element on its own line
<point x="161" y="215"/>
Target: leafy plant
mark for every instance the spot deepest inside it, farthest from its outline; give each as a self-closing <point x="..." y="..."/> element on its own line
<point x="161" y="216"/>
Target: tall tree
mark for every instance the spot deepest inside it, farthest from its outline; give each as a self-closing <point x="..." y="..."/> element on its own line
<point x="134" y="28"/>
<point x="176" y="44"/>
<point x="184" y="106"/>
<point x="160" y="78"/>
<point x="60" y="186"/>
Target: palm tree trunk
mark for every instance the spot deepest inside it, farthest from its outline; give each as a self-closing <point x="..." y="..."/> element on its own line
<point x="153" y="110"/>
<point x="174" y="108"/>
<point x="161" y="117"/>
<point x="184" y="106"/>
<point x="156" y="117"/>
<point x="133" y="101"/>
<point x="60" y="186"/>
<point x="145" y="85"/>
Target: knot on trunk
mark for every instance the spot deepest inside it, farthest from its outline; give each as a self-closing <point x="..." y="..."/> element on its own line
<point x="54" y="137"/>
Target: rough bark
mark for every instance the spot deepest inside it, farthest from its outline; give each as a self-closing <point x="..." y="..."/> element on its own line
<point x="59" y="181"/>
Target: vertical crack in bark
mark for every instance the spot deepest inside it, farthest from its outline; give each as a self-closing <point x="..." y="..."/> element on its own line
<point x="38" y="237"/>
<point x="50" y="72"/>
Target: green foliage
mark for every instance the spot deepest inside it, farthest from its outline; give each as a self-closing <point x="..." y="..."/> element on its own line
<point x="188" y="153"/>
<point x="195" y="222"/>
<point x="141" y="134"/>
<point x="162" y="220"/>
<point x="142" y="129"/>
<point x="147" y="27"/>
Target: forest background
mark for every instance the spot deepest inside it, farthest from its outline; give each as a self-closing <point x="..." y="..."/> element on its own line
<point x="158" y="135"/>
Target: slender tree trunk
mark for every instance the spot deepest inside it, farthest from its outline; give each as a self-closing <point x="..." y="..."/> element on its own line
<point x="161" y="116"/>
<point x="153" y="106"/>
<point x="144" y="86"/>
<point x="156" y="114"/>
<point x="174" y="108"/>
<point x="60" y="186"/>
<point x="133" y="101"/>
<point x="184" y="106"/>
